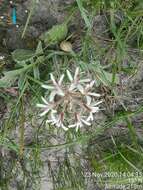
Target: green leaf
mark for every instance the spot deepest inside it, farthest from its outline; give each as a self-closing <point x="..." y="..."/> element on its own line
<point x="83" y="13"/>
<point x="40" y="59"/>
<point x="36" y="72"/>
<point x="22" y="56"/>
<point x="55" y="34"/>
<point x="39" y="49"/>
<point x="11" y="76"/>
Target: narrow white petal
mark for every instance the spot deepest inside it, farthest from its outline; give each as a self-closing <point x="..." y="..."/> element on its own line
<point x="53" y="116"/>
<point x="80" y="88"/>
<point x="44" y="100"/>
<point x="54" y="123"/>
<point x="58" y="124"/>
<point x="91" y="84"/>
<point x="95" y="109"/>
<point x="90" y="117"/>
<point x="41" y="105"/>
<point x="72" y="87"/>
<point x="69" y="75"/>
<point x="44" y="113"/>
<point x="94" y="94"/>
<point x="72" y="126"/>
<point x="53" y="79"/>
<point x="97" y="103"/>
<point x="85" y="122"/>
<point x="52" y="96"/>
<point x="84" y="80"/>
<point x="77" y="127"/>
<point x="47" y="87"/>
<point x="49" y="121"/>
<point x="76" y="73"/>
<point x="53" y="111"/>
<point x="61" y="79"/>
<point x="80" y="124"/>
<point x="88" y="99"/>
<point x="65" y="128"/>
<point x="60" y="92"/>
<point x="71" y="105"/>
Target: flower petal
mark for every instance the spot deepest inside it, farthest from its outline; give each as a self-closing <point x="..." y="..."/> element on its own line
<point x="76" y="73"/>
<point x="77" y="127"/>
<point x="44" y="100"/>
<point x="80" y="88"/>
<point x="72" y="126"/>
<point x="60" y="92"/>
<point x="95" y="109"/>
<point x="53" y="117"/>
<point x="49" y="121"/>
<point x="72" y="87"/>
<point x="91" y="84"/>
<point x="65" y="128"/>
<point x="61" y="79"/>
<point x="84" y="80"/>
<point x="90" y="117"/>
<point x="47" y="87"/>
<point x="53" y="79"/>
<point x="44" y="113"/>
<point x="52" y="96"/>
<point x="88" y="99"/>
<point x="97" y="103"/>
<point x="69" y="76"/>
<point x="41" y="105"/>
<point x="94" y="94"/>
<point x="85" y="122"/>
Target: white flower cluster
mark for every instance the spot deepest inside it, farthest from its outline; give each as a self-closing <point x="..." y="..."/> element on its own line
<point x="70" y="105"/>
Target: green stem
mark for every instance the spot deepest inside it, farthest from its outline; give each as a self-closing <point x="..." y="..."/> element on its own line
<point x="28" y="19"/>
<point x="22" y="122"/>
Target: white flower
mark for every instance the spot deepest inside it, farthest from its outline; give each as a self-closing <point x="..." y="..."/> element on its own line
<point x="76" y="83"/>
<point x="46" y="107"/>
<point x="70" y="104"/>
<point x="93" y="107"/>
<point x="87" y="91"/>
<point x="80" y="122"/>
<point x="56" y="88"/>
<point x="57" y="120"/>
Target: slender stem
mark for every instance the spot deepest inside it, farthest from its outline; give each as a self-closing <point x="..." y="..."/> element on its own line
<point x="22" y="122"/>
<point x="28" y="19"/>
